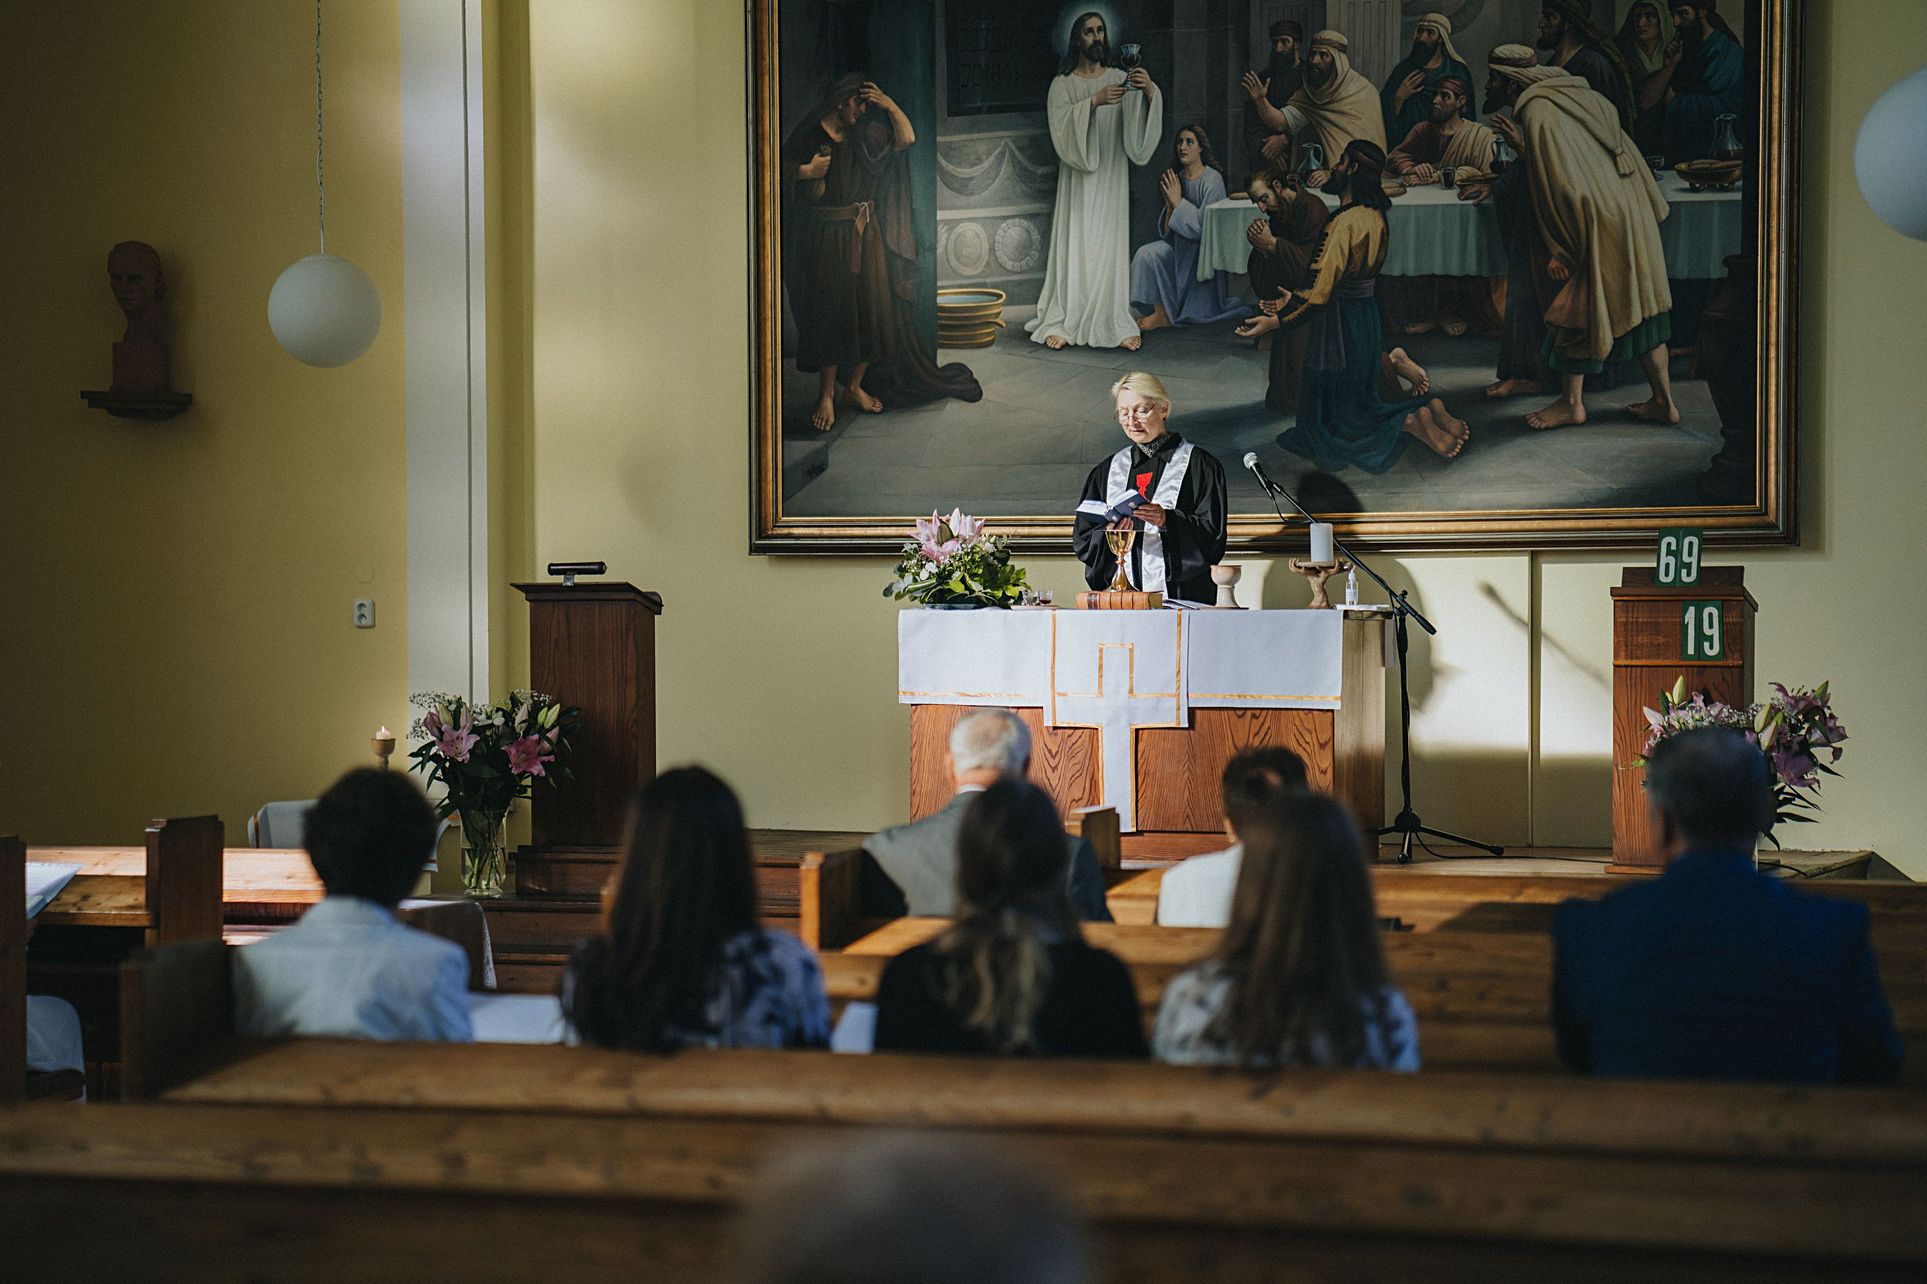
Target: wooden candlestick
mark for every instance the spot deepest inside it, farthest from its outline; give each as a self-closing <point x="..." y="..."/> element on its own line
<point x="1318" y="573"/>
<point x="383" y="743"/>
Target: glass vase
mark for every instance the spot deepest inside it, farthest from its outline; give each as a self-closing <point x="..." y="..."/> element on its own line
<point x="484" y="854"/>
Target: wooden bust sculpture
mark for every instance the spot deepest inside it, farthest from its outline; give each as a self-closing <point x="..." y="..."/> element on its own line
<point x="140" y="358"/>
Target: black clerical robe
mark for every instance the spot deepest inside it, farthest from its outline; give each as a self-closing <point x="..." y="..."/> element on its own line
<point x="1194" y="527"/>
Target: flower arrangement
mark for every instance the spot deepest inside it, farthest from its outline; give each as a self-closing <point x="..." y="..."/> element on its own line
<point x="485" y="757"/>
<point x="954" y="561"/>
<point x="1796" y="730"/>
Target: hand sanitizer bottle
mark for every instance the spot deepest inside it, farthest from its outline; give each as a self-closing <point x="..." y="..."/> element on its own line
<point x="1351" y="588"/>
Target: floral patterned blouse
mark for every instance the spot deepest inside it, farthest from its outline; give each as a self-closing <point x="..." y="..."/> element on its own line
<point x="1195" y="997"/>
<point x="767" y="992"/>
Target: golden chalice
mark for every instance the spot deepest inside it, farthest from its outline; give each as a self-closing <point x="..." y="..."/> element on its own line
<point x="1120" y="542"/>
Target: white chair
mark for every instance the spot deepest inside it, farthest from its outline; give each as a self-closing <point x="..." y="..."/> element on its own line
<point x="280" y="824"/>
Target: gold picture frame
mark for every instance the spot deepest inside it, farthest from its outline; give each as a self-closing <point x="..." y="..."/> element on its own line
<point x="1753" y="501"/>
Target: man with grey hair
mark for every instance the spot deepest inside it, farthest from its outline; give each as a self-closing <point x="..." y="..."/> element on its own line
<point x="921" y="857"/>
<point x="1715" y="970"/>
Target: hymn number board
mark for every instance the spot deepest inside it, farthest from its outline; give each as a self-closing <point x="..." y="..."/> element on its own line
<point x="1702" y="628"/>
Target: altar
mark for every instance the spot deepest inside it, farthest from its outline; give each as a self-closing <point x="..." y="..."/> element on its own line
<point x="1140" y="710"/>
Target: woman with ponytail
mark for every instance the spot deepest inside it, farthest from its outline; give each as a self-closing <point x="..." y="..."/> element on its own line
<point x="1013" y="975"/>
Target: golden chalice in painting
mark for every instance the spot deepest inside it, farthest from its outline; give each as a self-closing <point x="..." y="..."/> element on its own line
<point x="1120" y="541"/>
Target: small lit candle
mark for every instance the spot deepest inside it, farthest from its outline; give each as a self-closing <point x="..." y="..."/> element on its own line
<point x="1321" y="542"/>
<point x="384" y="734"/>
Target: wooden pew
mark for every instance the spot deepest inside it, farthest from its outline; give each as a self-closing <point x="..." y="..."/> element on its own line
<point x="351" y="1157"/>
<point x="1483" y="1001"/>
<point x="1426" y="899"/>
<point x="13" y="970"/>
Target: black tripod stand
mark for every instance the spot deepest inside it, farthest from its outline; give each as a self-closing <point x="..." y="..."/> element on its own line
<point x="1407" y="823"/>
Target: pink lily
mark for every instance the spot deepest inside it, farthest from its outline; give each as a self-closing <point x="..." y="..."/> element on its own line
<point x="454" y="743"/>
<point x="525" y="756"/>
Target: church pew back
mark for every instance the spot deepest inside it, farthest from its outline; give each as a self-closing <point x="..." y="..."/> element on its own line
<point x="13" y="970"/>
<point x="1186" y="1174"/>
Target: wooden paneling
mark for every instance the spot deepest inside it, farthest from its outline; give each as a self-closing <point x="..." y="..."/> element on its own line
<point x="184" y="879"/>
<point x="1178" y="768"/>
<point x="1063" y="760"/>
<point x="1646" y="663"/>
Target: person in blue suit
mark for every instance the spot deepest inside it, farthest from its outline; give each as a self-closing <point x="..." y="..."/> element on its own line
<point x="1714" y="970"/>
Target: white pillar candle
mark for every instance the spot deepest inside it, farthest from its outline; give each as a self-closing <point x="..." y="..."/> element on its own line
<point x="1321" y="542"/>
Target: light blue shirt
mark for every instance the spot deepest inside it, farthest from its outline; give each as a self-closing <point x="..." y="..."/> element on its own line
<point x="1197" y="892"/>
<point x="348" y="969"/>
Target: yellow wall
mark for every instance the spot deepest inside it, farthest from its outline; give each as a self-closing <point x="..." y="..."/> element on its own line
<point x="180" y="641"/>
<point x="175" y="615"/>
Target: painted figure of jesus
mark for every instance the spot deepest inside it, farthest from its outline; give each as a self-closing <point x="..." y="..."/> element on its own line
<point x="1102" y="121"/>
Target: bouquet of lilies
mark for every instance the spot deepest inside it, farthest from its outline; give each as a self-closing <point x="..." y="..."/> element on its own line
<point x="1796" y="730"/>
<point x="952" y="560"/>
<point x="487" y="756"/>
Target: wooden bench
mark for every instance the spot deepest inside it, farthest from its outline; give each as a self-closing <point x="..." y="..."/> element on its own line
<point x="1425" y="899"/>
<point x="477" y="1163"/>
<point x="1483" y="1001"/>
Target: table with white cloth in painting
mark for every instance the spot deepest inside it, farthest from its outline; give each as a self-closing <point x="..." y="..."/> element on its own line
<point x="1434" y="233"/>
<point x="1140" y="710"/>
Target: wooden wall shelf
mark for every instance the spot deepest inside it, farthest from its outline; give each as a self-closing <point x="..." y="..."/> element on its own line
<point x="139" y="405"/>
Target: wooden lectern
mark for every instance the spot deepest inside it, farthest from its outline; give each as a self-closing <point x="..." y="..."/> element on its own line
<point x="592" y="646"/>
<point x="1649" y="645"/>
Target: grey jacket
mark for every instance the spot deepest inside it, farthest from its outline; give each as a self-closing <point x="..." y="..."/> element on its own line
<point x="921" y="859"/>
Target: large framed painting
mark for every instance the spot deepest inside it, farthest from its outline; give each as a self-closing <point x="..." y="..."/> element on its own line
<point x="1458" y="273"/>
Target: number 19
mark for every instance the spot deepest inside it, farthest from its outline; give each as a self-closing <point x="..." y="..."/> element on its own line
<point x="1705" y="636"/>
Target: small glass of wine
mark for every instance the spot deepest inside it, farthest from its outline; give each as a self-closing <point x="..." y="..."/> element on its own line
<point x="1130" y="56"/>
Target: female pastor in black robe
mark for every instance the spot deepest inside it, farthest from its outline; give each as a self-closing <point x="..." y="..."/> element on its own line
<point x="1193" y="531"/>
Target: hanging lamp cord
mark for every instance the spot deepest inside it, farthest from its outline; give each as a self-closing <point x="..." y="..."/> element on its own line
<point x="321" y="187"/>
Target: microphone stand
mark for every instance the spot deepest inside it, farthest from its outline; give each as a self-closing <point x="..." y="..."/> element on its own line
<point x="1407" y="824"/>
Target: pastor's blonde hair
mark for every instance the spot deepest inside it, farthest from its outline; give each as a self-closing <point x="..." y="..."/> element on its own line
<point x="1145" y="385"/>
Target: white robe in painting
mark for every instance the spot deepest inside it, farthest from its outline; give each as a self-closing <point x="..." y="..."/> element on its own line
<point x="1086" y="297"/>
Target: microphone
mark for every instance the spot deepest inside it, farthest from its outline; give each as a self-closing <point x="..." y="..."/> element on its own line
<point x="1258" y="471"/>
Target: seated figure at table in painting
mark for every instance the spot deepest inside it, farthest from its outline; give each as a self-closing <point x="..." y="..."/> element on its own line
<point x="1013" y="975"/>
<point x="347" y="968"/>
<point x="1584" y="231"/>
<point x="1333" y="106"/>
<point x="681" y="960"/>
<point x="1196" y="892"/>
<point x="1701" y="79"/>
<point x="1445" y="140"/>
<point x="1102" y="121"/>
<point x="1406" y="98"/>
<point x="1715" y="970"/>
<point x="1342" y="420"/>
<point x="1299" y="978"/>
<point x="1283" y="244"/>
<point x="920" y="858"/>
<point x="1180" y="518"/>
<point x="1572" y="42"/>
<point x="1164" y="273"/>
<point x="1284" y="73"/>
<point x="850" y="257"/>
<point x="1643" y="42"/>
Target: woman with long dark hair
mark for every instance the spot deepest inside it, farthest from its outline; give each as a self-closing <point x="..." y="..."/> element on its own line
<point x="1299" y="978"/>
<point x="681" y="961"/>
<point x="1014" y="974"/>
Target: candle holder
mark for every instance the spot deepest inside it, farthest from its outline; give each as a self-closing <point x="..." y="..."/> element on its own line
<point x="1318" y="573"/>
<point x="383" y="743"/>
<point x="1226" y="578"/>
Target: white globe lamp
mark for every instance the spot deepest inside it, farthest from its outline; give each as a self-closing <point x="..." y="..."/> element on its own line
<point x="324" y="310"/>
<point x="1887" y="157"/>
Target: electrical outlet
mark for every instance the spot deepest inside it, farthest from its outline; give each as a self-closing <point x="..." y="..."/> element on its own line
<point x="364" y="612"/>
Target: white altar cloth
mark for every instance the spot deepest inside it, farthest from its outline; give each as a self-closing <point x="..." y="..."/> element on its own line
<point x="1120" y="670"/>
